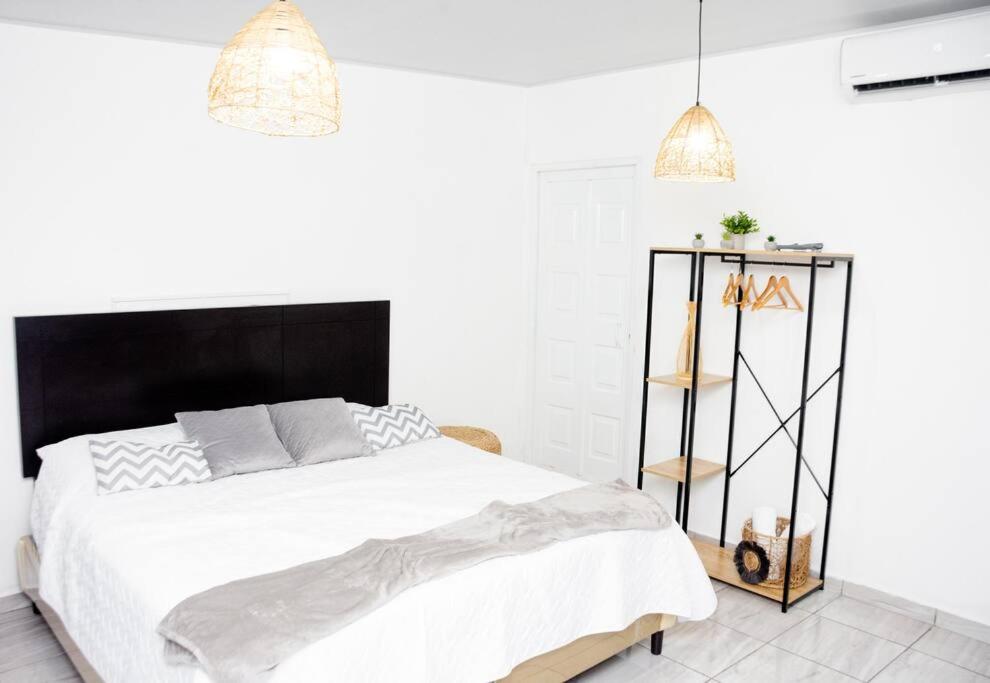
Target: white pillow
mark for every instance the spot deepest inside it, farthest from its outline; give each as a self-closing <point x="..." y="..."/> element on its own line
<point x="158" y="435"/>
<point x="67" y="471"/>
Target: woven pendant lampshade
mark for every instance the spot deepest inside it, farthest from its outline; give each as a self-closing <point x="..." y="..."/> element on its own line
<point x="696" y="149"/>
<point x="275" y="77"/>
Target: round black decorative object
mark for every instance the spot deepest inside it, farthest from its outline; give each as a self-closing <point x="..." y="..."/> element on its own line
<point x="752" y="562"/>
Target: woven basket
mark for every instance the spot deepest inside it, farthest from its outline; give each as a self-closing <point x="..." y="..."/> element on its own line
<point x="776" y="549"/>
<point x="474" y="436"/>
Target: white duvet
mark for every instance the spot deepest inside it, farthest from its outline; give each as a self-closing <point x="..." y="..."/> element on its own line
<point x="113" y="566"/>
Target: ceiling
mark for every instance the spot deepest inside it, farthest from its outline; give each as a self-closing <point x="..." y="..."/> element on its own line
<point x="526" y="42"/>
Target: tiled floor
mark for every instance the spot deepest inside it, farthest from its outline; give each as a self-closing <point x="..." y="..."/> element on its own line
<point x="829" y="637"/>
<point x="29" y="652"/>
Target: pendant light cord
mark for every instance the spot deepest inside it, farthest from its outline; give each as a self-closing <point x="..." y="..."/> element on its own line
<point x="697" y="94"/>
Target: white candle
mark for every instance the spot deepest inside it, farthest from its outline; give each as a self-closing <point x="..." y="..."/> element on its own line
<point x="765" y="520"/>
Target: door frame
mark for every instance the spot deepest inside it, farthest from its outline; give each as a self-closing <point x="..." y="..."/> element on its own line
<point x="531" y="262"/>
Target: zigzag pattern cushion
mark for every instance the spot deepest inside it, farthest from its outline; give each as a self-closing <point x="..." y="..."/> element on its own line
<point x="391" y="426"/>
<point x="125" y="466"/>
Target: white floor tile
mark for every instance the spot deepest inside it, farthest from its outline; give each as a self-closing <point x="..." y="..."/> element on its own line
<point x="840" y="647"/>
<point x="614" y="670"/>
<point x="755" y="616"/>
<point x="820" y="598"/>
<point x="18" y="618"/>
<point x="639" y="665"/>
<point x="661" y="668"/>
<point x="57" y="668"/>
<point x="770" y="664"/>
<point x="8" y="603"/>
<point x="890" y="602"/>
<point x="917" y="667"/>
<point x="876" y="620"/>
<point x="958" y="649"/>
<point x="26" y="643"/>
<point x="966" y="627"/>
<point x="707" y="646"/>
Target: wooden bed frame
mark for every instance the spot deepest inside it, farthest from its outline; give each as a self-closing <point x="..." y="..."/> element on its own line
<point x="85" y="374"/>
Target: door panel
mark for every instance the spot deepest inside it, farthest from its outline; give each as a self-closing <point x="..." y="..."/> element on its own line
<point x="582" y="332"/>
<point x="563" y="223"/>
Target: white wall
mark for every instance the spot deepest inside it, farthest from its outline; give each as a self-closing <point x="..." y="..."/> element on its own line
<point x="107" y="157"/>
<point x="114" y="182"/>
<point x="904" y="186"/>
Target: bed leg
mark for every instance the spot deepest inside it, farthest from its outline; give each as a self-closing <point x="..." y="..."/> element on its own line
<point x="656" y="643"/>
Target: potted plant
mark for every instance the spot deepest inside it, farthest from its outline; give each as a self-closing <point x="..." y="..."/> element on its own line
<point x="726" y="242"/>
<point x="699" y="241"/>
<point x="740" y="225"/>
<point x="771" y="243"/>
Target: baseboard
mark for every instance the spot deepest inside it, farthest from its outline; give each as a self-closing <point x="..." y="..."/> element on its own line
<point x="894" y="603"/>
<point x="929" y="615"/>
<point x="962" y="626"/>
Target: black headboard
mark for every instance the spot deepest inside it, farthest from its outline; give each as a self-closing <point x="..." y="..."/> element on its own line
<point x="80" y="374"/>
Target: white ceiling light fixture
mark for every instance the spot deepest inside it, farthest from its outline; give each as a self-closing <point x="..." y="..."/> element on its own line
<point x="275" y="77"/>
<point x="696" y="149"/>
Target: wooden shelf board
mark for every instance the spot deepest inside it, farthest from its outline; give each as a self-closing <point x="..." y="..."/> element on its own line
<point x="705" y="380"/>
<point x="676" y="469"/>
<point x="799" y="256"/>
<point x="720" y="565"/>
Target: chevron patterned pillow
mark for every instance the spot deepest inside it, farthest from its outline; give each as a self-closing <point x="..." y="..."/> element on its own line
<point x="125" y="466"/>
<point x="394" y="425"/>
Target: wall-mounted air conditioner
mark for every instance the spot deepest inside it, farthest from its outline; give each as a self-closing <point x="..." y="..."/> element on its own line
<point x="923" y="59"/>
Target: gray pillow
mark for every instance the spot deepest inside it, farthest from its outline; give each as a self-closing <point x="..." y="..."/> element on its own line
<point x="318" y="430"/>
<point x="236" y="440"/>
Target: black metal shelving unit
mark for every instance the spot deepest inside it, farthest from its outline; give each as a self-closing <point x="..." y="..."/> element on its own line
<point x="716" y="558"/>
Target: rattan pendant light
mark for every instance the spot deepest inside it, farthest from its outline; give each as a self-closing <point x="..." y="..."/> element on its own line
<point x="696" y="149"/>
<point x="275" y="77"/>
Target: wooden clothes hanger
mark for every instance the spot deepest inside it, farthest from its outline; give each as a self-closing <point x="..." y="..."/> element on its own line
<point x="731" y="295"/>
<point x="749" y="294"/>
<point x="767" y="294"/>
<point x="785" y="284"/>
<point x="777" y="288"/>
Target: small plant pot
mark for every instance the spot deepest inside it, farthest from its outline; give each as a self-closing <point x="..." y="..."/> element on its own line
<point x="770" y="246"/>
<point x="698" y="244"/>
<point x="726" y="244"/>
<point x="739" y="241"/>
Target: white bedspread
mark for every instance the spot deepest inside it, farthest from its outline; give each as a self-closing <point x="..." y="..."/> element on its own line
<point x="113" y="566"/>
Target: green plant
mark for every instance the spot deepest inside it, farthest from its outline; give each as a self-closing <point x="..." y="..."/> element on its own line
<point x="740" y="224"/>
<point x="726" y="235"/>
<point x="771" y="238"/>
<point x="698" y="235"/>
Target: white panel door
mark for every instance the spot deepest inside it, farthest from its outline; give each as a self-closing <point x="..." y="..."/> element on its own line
<point x="582" y="329"/>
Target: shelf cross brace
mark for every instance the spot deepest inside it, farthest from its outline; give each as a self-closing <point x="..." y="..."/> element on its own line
<point x="783" y="422"/>
<point x="783" y="425"/>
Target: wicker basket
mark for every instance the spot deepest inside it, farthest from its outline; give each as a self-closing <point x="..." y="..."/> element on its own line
<point x="776" y="549"/>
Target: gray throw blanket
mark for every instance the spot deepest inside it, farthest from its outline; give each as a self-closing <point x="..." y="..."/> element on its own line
<point x="242" y="630"/>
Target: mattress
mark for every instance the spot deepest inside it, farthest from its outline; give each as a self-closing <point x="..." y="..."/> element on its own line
<point x="113" y="566"/>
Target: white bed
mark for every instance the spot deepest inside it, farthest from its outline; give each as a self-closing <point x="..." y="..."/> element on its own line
<point x="113" y="566"/>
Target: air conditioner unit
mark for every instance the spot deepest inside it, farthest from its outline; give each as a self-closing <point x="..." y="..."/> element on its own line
<point x="923" y="59"/>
